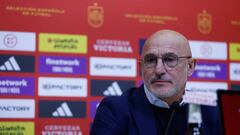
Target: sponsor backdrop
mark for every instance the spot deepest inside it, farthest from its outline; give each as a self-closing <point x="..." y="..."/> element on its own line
<point x="58" y="59"/>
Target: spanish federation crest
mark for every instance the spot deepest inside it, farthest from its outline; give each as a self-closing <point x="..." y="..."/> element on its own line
<point x="204" y="21"/>
<point x="95" y="15"/>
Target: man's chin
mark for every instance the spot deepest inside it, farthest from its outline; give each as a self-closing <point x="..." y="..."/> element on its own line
<point x="160" y="87"/>
<point x="163" y="92"/>
<point x="165" y="95"/>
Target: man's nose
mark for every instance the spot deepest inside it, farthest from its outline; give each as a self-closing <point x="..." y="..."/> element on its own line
<point x="160" y="67"/>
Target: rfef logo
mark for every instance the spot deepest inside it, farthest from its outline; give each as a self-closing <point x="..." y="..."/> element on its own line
<point x="95" y="15"/>
<point x="122" y="67"/>
<point x="16" y="85"/>
<point x="62" y="109"/>
<point x="17" y="108"/>
<point x="16" y="128"/>
<point x="16" y="63"/>
<point x="204" y="22"/>
<point x="63" y="65"/>
<point x="64" y="43"/>
<point x="17" y="41"/>
<point x="65" y="87"/>
<point x="110" y="87"/>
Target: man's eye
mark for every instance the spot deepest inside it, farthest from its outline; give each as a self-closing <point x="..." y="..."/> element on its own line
<point x="170" y="59"/>
<point x="150" y="59"/>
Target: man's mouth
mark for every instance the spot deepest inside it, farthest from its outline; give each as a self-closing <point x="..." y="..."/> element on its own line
<point x="161" y="81"/>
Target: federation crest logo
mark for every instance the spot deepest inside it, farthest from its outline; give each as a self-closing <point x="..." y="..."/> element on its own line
<point x="10" y="40"/>
<point x="204" y="21"/>
<point x="95" y="16"/>
<point x="206" y="50"/>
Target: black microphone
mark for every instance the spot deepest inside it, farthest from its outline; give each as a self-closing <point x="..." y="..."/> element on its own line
<point x="173" y="106"/>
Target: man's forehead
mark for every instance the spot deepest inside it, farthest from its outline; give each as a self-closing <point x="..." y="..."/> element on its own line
<point x="165" y="43"/>
<point x="157" y="50"/>
<point x="165" y="40"/>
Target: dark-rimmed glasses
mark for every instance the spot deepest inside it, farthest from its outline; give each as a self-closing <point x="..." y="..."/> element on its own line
<point x="170" y="59"/>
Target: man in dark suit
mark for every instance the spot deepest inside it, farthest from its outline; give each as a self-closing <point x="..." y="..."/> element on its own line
<point x="156" y="107"/>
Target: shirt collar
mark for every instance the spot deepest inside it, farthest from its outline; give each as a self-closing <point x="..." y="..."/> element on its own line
<point x="154" y="100"/>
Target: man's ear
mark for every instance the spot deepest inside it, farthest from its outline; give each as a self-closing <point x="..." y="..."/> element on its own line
<point x="191" y="67"/>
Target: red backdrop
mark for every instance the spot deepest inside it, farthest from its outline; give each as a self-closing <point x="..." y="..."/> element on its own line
<point x="110" y="23"/>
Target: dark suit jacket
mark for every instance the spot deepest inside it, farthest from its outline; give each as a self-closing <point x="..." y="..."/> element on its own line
<point x="131" y="114"/>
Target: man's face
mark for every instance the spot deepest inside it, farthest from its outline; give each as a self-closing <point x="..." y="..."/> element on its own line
<point x="162" y="80"/>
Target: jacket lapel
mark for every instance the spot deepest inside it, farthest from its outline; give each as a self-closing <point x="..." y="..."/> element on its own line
<point x="142" y="113"/>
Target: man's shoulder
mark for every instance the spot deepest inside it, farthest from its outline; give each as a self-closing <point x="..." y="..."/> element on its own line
<point x="114" y="113"/>
<point x="125" y="98"/>
<point x="118" y="106"/>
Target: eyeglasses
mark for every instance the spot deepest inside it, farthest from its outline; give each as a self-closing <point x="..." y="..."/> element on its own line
<point x="171" y="60"/>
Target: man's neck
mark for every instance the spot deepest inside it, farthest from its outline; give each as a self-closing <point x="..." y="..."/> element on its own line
<point x="163" y="102"/>
<point x="173" y="99"/>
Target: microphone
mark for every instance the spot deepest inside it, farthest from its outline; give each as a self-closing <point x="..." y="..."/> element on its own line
<point x="194" y="120"/>
<point x="173" y="106"/>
